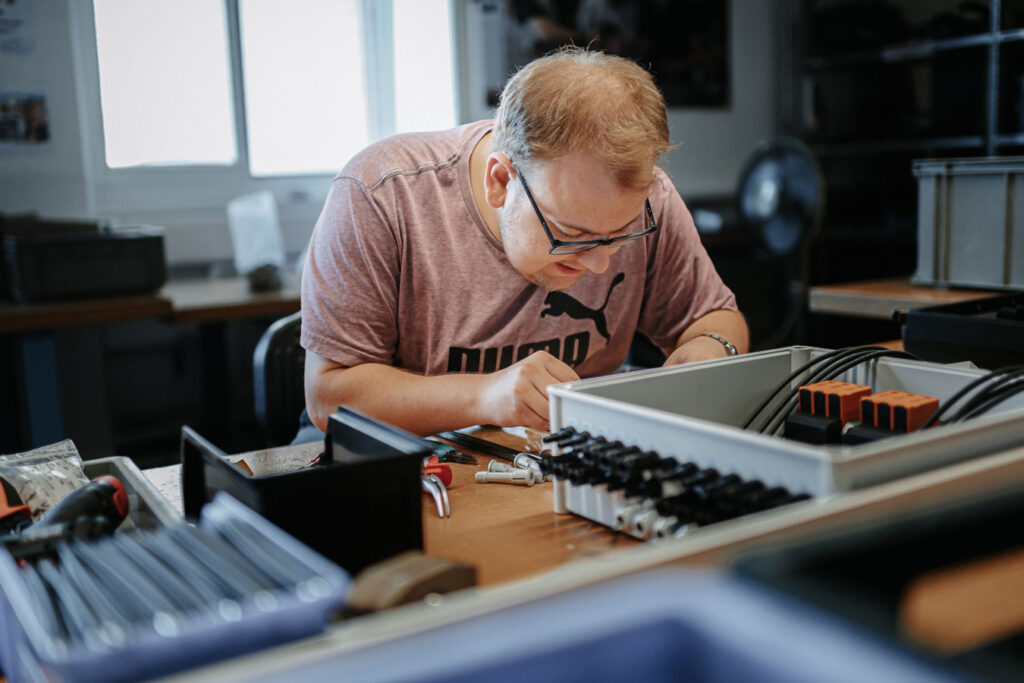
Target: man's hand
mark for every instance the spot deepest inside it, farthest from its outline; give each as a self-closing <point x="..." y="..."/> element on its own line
<point x="698" y="348"/>
<point x="518" y="395"/>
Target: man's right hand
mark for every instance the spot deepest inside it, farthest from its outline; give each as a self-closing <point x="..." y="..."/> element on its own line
<point x="518" y="395"/>
<point x="515" y="396"/>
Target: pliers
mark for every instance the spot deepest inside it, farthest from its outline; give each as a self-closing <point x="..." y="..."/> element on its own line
<point x="435" y="480"/>
<point x="447" y="453"/>
<point x="433" y="485"/>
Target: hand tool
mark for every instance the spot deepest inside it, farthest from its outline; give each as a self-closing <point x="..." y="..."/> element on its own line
<point x="490" y="448"/>
<point x="447" y="453"/>
<point x="14" y="516"/>
<point x="103" y="497"/>
<point x="435" y="487"/>
<point x="431" y="465"/>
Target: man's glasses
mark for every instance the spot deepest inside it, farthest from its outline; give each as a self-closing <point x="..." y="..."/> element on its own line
<point x="574" y="247"/>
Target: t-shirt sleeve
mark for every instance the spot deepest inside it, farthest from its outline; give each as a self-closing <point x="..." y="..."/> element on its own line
<point x="682" y="283"/>
<point x="350" y="280"/>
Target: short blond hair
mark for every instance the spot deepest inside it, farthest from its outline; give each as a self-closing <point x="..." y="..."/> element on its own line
<point x="578" y="100"/>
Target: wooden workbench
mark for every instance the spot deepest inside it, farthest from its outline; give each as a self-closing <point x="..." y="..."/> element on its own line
<point x="880" y="298"/>
<point x="206" y="301"/>
<point x="178" y="301"/>
<point x="507" y="532"/>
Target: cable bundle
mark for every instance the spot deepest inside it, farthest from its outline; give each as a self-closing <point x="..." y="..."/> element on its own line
<point x="989" y="391"/>
<point x="825" y="367"/>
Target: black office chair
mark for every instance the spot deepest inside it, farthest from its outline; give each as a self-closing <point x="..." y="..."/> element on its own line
<point x="278" y="367"/>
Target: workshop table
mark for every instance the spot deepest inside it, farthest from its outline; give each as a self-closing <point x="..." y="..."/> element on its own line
<point x="879" y="299"/>
<point x="506" y="531"/>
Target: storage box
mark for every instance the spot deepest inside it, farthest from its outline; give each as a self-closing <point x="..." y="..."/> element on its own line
<point x="694" y="413"/>
<point x="656" y="627"/>
<point x="52" y="267"/>
<point x="228" y="624"/>
<point x="970" y="222"/>
<point x="968" y="330"/>
<point x="360" y="504"/>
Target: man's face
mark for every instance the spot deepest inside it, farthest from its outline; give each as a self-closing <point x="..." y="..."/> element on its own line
<point x="579" y="201"/>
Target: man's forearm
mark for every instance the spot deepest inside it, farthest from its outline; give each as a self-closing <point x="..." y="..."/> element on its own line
<point x="693" y="346"/>
<point x="516" y="395"/>
<point x="729" y="325"/>
<point x="419" y="404"/>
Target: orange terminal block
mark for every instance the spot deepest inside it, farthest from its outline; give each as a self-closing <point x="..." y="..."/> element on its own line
<point x="897" y="411"/>
<point x="833" y="399"/>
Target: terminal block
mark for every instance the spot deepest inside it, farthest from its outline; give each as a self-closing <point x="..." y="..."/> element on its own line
<point x="897" y="411"/>
<point x="833" y="399"/>
<point x="823" y="409"/>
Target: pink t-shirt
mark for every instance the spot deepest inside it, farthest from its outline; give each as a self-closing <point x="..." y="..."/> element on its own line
<point x="403" y="271"/>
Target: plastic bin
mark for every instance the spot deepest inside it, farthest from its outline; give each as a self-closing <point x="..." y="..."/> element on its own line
<point x="51" y="267"/>
<point x="654" y="627"/>
<point x="360" y="504"/>
<point x="152" y="648"/>
<point x="148" y="509"/>
<point x="970" y="222"/>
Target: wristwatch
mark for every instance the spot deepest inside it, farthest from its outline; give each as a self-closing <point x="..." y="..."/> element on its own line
<point x="730" y="350"/>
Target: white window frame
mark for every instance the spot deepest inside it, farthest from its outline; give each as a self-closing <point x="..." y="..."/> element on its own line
<point x="190" y="200"/>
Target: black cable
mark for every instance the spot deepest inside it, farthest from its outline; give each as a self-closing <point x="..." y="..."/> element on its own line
<point x="792" y="378"/>
<point x="1000" y="380"/>
<point x="994" y="399"/>
<point x="833" y="370"/>
<point x="948" y="405"/>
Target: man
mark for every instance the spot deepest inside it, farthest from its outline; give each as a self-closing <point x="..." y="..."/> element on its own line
<point x="453" y="276"/>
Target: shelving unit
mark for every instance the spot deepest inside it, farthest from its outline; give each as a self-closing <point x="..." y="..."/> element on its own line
<point x="880" y="83"/>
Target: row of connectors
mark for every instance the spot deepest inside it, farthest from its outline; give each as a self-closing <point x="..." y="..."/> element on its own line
<point x="834" y="412"/>
<point x="644" y="494"/>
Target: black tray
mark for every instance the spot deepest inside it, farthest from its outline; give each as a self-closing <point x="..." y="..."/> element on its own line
<point x="968" y="330"/>
<point x="360" y="504"/>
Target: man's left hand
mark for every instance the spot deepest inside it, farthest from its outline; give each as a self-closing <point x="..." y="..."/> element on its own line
<point x="698" y="348"/>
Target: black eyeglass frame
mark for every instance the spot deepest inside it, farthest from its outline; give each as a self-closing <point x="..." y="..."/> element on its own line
<point x="562" y="247"/>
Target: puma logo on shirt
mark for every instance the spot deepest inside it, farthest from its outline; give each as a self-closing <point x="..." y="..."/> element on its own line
<point x="560" y="303"/>
<point x="572" y="350"/>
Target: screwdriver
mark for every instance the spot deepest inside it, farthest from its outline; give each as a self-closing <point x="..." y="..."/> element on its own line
<point x="104" y="497"/>
<point x="14" y="516"/>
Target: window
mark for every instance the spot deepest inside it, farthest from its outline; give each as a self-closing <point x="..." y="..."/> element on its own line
<point x="264" y="87"/>
<point x="165" y="85"/>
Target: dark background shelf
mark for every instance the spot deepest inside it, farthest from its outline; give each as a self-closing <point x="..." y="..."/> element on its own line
<point x="878" y="84"/>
